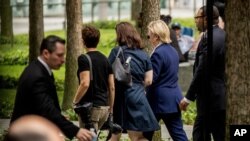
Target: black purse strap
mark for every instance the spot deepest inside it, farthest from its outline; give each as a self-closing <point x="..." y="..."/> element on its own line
<point x="91" y="73"/>
<point x="120" y="51"/>
<point x="90" y="67"/>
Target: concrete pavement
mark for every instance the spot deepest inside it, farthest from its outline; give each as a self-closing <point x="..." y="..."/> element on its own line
<point x="21" y="25"/>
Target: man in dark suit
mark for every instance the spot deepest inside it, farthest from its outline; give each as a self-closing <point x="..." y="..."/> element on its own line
<point x="209" y="92"/>
<point x="36" y="92"/>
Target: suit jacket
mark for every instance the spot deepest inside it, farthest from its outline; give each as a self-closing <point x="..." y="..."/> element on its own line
<point x="209" y="92"/>
<point x="36" y="94"/>
<point x="164" y="94"/>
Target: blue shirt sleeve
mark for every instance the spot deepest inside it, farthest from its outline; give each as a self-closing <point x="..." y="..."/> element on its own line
<point x="148" y="64"/>
<point x="112" y="56"/>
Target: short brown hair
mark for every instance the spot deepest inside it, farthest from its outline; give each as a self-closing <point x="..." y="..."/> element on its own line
<point x="127" y="35"/>
<point x="90" y="36"/>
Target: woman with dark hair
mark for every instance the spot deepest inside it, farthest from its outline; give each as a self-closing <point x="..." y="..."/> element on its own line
<point x="131" y="108"/>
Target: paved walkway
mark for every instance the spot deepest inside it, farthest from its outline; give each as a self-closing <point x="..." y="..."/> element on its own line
<point x="4" y="123"/>
<point x="21" y="25"/>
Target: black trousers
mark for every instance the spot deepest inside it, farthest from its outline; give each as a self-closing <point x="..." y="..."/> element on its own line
<point x="211" y="124"/>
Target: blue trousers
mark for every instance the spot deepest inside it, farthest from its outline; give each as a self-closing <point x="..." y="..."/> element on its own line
<point x="174" y="125"/>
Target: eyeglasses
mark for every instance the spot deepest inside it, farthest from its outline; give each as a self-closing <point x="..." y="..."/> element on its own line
<point x="197" y="17"/>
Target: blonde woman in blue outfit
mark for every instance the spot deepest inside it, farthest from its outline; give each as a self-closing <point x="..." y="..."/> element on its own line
<point x="131" y="108"/>
<point x="164" y="95"/>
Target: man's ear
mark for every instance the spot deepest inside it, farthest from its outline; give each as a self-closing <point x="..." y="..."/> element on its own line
<point x="45" y="53"/>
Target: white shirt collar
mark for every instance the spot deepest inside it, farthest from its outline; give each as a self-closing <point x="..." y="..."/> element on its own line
<point x="45" y="65"/>
<point x="158" y="45"/>
<point x="155" y="48"/>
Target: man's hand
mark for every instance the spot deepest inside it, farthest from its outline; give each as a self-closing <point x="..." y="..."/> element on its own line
<point x="183" y="105"/>
<point x="84" y="135"/>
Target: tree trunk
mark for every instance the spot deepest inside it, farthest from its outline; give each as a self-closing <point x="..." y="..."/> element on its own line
<point x="74" y="47"/>
<point x="36" y="33"/>
<point x="103" y="10"/>
<point x="237" y="63"/>
<point x="6" y="19"/>
<point x="135" y="9"/>
<point x="150" y="12"/>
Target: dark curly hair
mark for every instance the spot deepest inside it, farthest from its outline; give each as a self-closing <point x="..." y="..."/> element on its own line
<point x="90" y="36"/>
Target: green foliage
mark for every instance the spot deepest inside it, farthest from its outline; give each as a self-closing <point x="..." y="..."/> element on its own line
<point x="9" y="75"/>
<point x="11" y="70"/>
<point x="3" y="134"/>
<point x="18" y="39"/>
<point x="105" y="47"/>
<point x="70" y="113"/>
<point x="19" y="57"/>
<point x="105" y="24"/>
<point x="8" y="82"/>
<point x="17" y="54"/>
<point x="60" y="33"/>
<point x="14" y="52"/>
<point x="107" y="41"/>
<point x="6" y="109"/>
<point x="187" y="22"/>
<point x="5" y="40"/>
<point x="7" y="98"/>
<point x="59" y="84"/>
<point x="188" y="116"/>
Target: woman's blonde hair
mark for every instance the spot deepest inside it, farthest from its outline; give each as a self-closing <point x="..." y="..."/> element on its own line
<point x="160" y="29"/>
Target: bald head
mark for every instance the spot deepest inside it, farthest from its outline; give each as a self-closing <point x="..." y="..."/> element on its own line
<point x="34" y="128"/>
